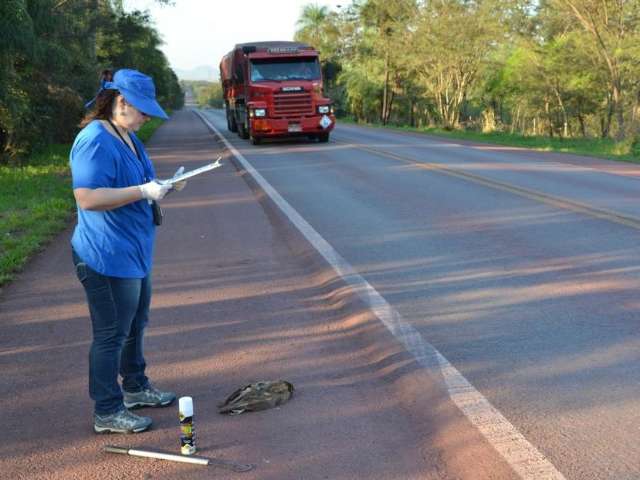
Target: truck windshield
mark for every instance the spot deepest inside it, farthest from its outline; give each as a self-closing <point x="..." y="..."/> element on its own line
<point x="281" y="69"/>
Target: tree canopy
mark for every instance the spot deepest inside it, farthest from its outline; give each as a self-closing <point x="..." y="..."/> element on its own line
<point x="51" y="55"/>
<point x="537" y="67"/>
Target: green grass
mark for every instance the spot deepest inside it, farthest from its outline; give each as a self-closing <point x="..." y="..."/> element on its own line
<point x="594" y="147"/>
<point x="36" y="203"/>
<point x="148" y="129"/>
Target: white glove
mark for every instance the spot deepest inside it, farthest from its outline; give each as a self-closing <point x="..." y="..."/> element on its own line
<point x="179" y="185"/>
<point x="153" y="190"/>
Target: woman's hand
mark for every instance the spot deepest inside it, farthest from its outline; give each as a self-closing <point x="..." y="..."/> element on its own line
<point x="154" y="190"/>
<point x="179" y="185"/>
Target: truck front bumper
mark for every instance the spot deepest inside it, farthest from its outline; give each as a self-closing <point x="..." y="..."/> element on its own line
<point x="278" y="127"/>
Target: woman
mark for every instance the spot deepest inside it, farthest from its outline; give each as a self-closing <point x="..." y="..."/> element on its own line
<point x="116" y="193"/>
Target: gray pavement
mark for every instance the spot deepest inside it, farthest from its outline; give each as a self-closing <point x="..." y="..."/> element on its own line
<point x="533" y="300"/>
<point x="237" y="298"/>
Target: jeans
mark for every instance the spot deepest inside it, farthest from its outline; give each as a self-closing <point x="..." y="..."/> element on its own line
<point x="119" y="309"/>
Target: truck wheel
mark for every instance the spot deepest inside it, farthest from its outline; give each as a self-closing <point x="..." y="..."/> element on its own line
<point x="323" y="137"/>
<point x="240" y="130"/>
<point x="231" y="122"/>
<point x="243" y="129"/>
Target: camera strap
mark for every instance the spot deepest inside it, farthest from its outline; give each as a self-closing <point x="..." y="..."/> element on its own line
<point x="155" y="208"/>
<point x="135" y="149"/>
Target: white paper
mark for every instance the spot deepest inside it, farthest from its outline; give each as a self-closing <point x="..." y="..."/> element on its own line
<point x="192" y="173"/>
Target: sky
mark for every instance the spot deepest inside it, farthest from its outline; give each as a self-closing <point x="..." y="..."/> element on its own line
<point x="199" y="32"/>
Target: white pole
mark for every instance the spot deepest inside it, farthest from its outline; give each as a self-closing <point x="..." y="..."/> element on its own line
<point x="163" y="456"/>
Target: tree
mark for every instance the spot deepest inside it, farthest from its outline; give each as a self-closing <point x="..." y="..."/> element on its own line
<point x="547" y="67"/>
<point x="311" y="25"/>
<point x="17" y="43"/>
<point x="387" y="25"/>
<point x="319" y="27"/>
<point x="44" y="75"/>
<point x="361" y="91"/>
<point x="454" y="38"/>
<point x="50" y="56"/>
<point x="612" y="28"/>
<point x="206" y="94"/>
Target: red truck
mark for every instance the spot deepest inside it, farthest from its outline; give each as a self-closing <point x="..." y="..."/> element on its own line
<point x="274" y="89"/>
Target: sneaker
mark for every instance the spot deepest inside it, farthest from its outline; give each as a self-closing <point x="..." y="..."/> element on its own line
<point x="149" y="397"/>
<point x="120" y="422"/>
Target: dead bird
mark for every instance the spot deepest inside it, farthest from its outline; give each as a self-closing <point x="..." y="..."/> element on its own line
<point x="257" y="396"/>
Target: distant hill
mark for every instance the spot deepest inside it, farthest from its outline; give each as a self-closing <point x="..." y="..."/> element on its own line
<point x="203" y="72"/>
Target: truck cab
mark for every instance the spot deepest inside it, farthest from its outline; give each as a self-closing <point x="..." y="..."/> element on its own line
<point x="274" y="89"/>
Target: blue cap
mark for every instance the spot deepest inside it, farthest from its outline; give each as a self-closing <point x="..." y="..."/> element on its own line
<point x="137" y="89"/>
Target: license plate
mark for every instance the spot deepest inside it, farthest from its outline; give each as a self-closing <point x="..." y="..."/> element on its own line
<point x="295" y="127"/>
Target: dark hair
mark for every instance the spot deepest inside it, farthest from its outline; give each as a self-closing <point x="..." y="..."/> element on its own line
<point x="106" y="76"/>
<point x="103" y="105"/>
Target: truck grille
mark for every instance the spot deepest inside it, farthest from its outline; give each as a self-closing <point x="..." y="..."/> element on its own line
<point x="292" y="104"/>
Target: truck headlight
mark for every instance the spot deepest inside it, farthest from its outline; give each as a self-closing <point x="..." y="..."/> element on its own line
<point x="260" y="112"/>
<point x="323" y="108"/>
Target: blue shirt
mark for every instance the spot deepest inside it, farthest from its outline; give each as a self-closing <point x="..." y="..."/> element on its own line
<point x="118" y="242"/>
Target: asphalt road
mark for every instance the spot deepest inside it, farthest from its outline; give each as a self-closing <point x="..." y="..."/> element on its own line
<point x="237" y="298"/>
<point x="521" y="268"/>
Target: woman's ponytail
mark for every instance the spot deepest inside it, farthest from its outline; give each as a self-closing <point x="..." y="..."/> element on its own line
<point x="103" y="103"/>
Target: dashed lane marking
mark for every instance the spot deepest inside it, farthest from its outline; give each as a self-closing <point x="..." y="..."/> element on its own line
<point x="523" y="457"/>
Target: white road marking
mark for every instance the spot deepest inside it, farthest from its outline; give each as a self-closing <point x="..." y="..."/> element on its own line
<point x="523" y="457"/>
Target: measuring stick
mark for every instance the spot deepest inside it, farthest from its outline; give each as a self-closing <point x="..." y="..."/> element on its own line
<point x="161" y="455"/>
<point x="214" y="462"/>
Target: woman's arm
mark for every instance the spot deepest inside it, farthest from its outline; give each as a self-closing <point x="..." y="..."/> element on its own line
<point x="106" y="198"/>
<point x="111" y="198"/>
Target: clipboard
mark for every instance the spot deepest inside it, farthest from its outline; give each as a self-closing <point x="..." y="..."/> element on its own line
<point x="192" y="173"/>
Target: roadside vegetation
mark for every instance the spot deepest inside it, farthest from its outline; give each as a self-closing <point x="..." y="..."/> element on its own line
<point x="51" y="56"/>
<point x="593" y="147"/>
<point x="205" y="94"/>
<point x="553" y="74"/>
<point x="37" y="203"/>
